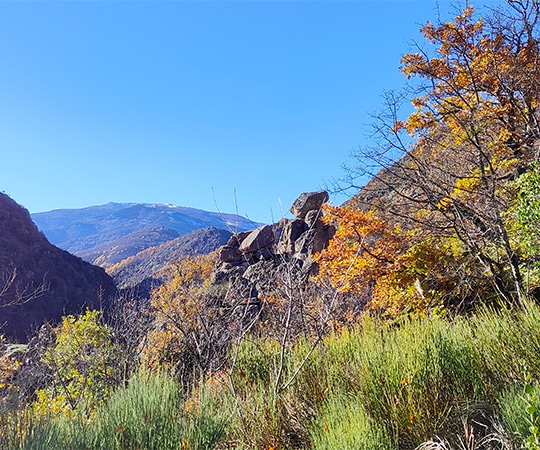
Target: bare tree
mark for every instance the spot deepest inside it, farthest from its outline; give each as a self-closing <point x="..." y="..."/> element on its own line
<point x="12" y="293"/>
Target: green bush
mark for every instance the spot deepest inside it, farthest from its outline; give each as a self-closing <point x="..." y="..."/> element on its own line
<point x="147" y="414"/>
<point x="344" y="424"/>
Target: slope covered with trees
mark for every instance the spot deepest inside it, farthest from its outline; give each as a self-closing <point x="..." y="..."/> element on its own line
<point x="455" y="184"/>
<point x="38" y="281"/>
<point x="146" y="265"/>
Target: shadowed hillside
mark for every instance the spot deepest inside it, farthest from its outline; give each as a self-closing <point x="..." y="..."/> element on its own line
<point x="38" y="281"/>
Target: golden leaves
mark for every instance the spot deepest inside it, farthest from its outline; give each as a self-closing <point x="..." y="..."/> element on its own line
<point x="363" y="249"/>
<point x="470" y="79"/>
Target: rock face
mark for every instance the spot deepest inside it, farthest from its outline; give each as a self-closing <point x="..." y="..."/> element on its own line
<point x="38" y="281"/>
<point x="251" y="261"/>
<point x="258" y="239"/>
<point x="308" y="201"/>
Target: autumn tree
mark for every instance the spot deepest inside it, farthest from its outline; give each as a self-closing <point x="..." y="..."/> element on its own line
<point x="80" y="368"/>
<point x="189" y="333"/>
<point x="391" y="269"/>
<point x="445" y="170"/>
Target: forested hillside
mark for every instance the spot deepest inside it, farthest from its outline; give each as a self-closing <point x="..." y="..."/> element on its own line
<point x="38" y="281"/>
<point x="407" y="318"/>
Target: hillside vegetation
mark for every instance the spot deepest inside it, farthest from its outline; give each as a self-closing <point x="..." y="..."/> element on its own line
<point x="38" y="281"/>
<point x="148" y="264"/>
<point x="419" y="330"/>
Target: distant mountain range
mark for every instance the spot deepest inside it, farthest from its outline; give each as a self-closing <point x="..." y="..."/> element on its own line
<point x="80" y="230"/>
<point x="133" y="241"/>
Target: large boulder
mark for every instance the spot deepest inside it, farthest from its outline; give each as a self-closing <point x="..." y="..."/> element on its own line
<point x="291" y="232"/>
<point x="237" y="239"/>
<point x="256" y="240"/>
<point x="228" y="254"/>
<point x="308" y="201"/>
<point x="313" y="219"/>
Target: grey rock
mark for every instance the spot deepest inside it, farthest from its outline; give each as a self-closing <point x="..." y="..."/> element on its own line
<point x="264" y="253"/>
<point x="258" y="271"/>
<point x="305" y="243"/>
<point x="312" y="219"/>
<point x="292" y="230"/>
<point x="314" y="240"/>
<point x="228" y="272"/>
<point x="237" y="239"/>
<point x="229" y="254"/>
<point x="257" y="239"/>
<point x="308" y="201"/>
<point x="255" y="264"/>
<point x="329" y="232"/>
<point x="320" y="242"/>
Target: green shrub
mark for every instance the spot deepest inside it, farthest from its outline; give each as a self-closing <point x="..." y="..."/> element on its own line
<point x="344" y="424"/>
<point x="147" y="414"/>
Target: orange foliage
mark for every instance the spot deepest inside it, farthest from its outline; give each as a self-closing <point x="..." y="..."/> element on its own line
<point x="396" y="270"/>
<point x="366" y="253"/>
<point x="483" y="84"/>
<point x="364" y="248"/>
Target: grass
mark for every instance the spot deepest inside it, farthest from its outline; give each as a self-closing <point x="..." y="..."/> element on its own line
<point x="146" y="414"/>
<point x="344" y="424"/>
<point x="378" y="386"/>
<point x="390" y="385"/>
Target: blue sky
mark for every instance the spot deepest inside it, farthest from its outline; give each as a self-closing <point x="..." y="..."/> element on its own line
<point x="236" y="105"/>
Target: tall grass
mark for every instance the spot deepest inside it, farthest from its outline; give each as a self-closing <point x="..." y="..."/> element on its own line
<point x="377" y="386"/>
<point x="388" y="385"/>
<point x="344" y="424"/>
<point x="147" y="414"/>
<point x="513" y="408"/>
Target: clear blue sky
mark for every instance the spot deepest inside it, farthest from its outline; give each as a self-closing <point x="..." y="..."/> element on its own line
<point x="250" y="102"/>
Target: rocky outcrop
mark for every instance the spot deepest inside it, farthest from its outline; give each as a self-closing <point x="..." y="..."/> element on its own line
<point x="308" y="201"/>
<point x="252" y="261"/>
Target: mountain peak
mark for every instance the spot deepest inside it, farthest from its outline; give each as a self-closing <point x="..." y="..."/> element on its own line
<point x="80" y="230"/>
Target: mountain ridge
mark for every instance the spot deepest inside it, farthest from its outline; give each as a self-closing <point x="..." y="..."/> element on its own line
<point x="145" y="266"/>
<point x="82" y="230"/>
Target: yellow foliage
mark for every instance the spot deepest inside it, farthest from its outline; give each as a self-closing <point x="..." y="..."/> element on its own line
<point x="475" y="91"/>
<point x="83" y="366"/>
<point x="178" y="307"/>
<point x="363" y="249"/>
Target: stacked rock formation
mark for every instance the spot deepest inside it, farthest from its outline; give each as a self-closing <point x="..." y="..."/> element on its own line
<point x="251" y="261"/>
